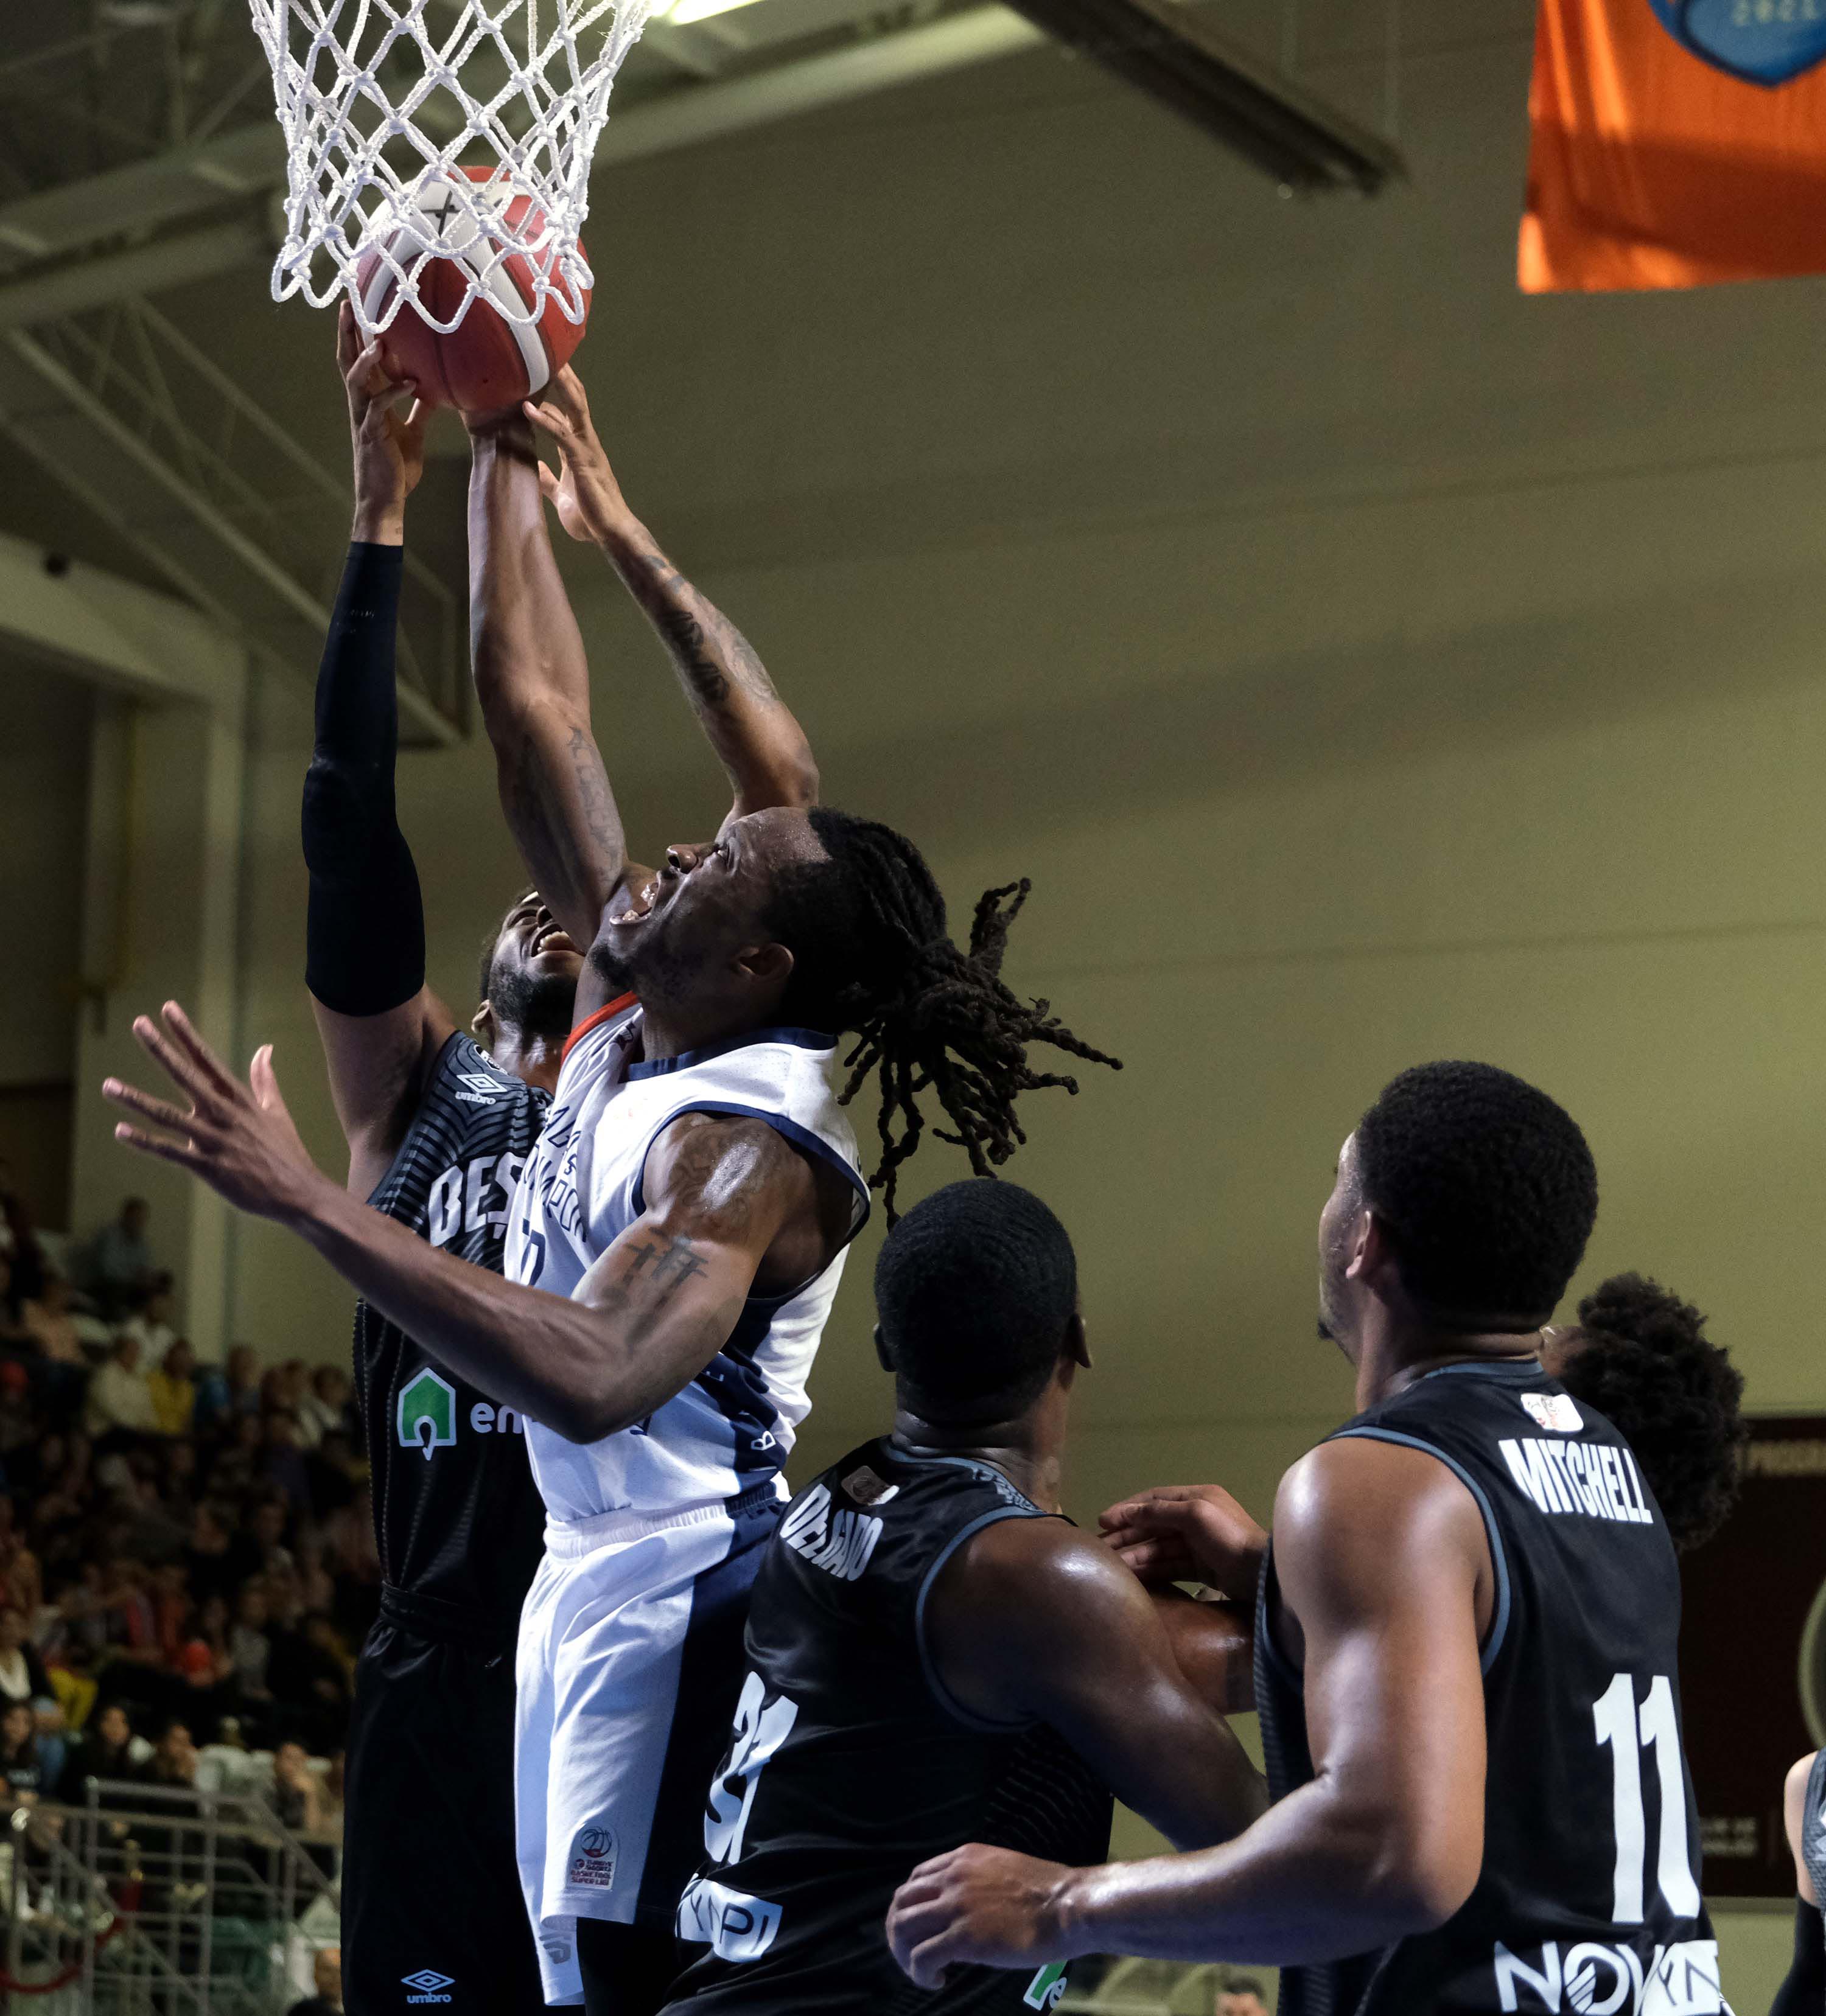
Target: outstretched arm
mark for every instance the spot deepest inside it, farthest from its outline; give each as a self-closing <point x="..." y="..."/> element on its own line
<point x="1033" y="1621"/>
<point x="726" y="1196"/>
<point x="364" y="960"/>
<point x="533" y="685"/>
<point x="758" y="741"/>
<point x="1384" y="1567"/>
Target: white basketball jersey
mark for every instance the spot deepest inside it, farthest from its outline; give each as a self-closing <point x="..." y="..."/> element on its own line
<point x="733" y="1427"/>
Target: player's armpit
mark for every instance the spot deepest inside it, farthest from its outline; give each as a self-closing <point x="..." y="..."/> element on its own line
<point x="1033" y="1620"/>
<point x="378" y="1065"/>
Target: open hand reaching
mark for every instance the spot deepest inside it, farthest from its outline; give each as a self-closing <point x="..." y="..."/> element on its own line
<point x="236" y="1134"/>
<point x="389" y="444"/>
<point x="583" y="491"/>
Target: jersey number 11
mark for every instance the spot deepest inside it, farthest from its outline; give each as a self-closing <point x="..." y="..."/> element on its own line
<point x="1630" y="1730"/>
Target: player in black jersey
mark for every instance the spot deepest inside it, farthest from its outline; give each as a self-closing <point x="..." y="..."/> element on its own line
<point x="438" y="1128"/>
<point x="936" y="1655"/>
<point x="1465" y="1641"/>
<point x="1802" y="1992"/>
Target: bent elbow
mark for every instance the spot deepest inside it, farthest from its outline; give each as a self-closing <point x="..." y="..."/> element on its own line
<point x="803" y="783"/>
<point x="574" y="1422"/>
<point x="584" y="1420"/>
<point x="1417" y="1891"/>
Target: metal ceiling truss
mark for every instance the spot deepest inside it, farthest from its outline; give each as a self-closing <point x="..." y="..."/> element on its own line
<point x="213" y="492"/>
<point x="133" y="159"/>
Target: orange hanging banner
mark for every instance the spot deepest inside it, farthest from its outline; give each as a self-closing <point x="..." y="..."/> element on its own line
<point x="1676" y="142"/>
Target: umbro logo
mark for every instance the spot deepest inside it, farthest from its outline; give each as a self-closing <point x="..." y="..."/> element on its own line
<point x="427" y="1985"/>
<point x="481" y="1083"/>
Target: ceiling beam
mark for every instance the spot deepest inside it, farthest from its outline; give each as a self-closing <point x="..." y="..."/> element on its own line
<point x="145" y="196"/>
<point x="170" y="261"/>
<point x="160" y="194"/>
<point x="101" y="418"/>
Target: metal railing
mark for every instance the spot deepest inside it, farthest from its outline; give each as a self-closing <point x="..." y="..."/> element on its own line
<point x="151" y="1900"/>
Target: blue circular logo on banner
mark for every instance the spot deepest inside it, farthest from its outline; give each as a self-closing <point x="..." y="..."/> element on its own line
<point x="1762" y="42"/>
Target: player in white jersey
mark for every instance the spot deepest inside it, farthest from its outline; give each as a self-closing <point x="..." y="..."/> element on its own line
<point x="698" y="1189"/>
<point x="630" y="1641"/>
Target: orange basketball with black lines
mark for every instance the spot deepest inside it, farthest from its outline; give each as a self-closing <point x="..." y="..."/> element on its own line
<point x="487" y="360"/>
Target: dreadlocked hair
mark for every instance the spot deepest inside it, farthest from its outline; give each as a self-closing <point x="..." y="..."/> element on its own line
<point x="872" y="955"/>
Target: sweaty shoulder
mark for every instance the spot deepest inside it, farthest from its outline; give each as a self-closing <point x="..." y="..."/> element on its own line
<point x="1357" y="1521"/>
<point x="737" y="1180"/>
<point x="1016" y="1598"/>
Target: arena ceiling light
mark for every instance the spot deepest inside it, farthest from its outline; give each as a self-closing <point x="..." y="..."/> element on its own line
<point x="683" y="12"/>
<point x="1172" y="53"/>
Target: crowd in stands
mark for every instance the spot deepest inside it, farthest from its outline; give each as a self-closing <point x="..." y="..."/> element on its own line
<point x="187" y="1563"/>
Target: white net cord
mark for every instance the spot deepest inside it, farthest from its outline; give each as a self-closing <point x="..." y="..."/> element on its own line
<point x="357" y="83"/>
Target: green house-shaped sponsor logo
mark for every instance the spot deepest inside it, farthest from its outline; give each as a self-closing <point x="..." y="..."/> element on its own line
<point x="1046" y="1988"/>
<point x="428" y="1413"/>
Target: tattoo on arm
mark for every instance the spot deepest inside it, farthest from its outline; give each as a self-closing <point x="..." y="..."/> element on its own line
<point x="711" y="653"/>
<point x="668" y="1264"/>
<point x="530" y="812"/>
<point x="592" y="793"/>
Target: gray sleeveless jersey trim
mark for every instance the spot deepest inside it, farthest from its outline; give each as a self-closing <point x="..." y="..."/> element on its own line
<point x="1814" y="1826"/>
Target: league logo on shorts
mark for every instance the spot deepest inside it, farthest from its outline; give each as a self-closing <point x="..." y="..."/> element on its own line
<point x="1762" y="42"/>
<point x="592" y="1859"/>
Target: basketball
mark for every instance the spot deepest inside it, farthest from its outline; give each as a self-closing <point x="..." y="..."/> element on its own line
<point x="488" y="359"/>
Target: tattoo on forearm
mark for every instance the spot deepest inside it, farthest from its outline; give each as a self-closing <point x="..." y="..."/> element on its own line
<point x="593" y="799"/>
<point x="530" y="814"/>
<point x="711" y="653"/>
<point x="553" y="826"/>
<point x="685" y="635"/>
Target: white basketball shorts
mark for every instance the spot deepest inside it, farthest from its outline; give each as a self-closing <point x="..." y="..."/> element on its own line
<point x="629" y="1664"/>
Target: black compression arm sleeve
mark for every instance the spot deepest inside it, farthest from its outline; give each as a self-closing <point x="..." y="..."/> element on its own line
<point x="1804" y="1992"/>
<point x="364" y="937"/>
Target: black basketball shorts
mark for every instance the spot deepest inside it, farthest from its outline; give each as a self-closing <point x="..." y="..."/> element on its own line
<point x="432" y="1918"/>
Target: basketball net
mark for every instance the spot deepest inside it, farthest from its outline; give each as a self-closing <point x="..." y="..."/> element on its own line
<point x="351" y="80"/>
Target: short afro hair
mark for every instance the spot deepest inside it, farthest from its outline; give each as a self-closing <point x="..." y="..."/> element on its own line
<point x="976" y="1287"/>
<point x="1640" y="1356"/>
<point x="1487" y="1188"/>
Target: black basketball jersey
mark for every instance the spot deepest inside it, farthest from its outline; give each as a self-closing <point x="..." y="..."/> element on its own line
<point x="1588" y="1897"/>
<point x="850" y="1764"/>
<point x="458" y="1519"/>
<point x="1814" y="1826"/>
